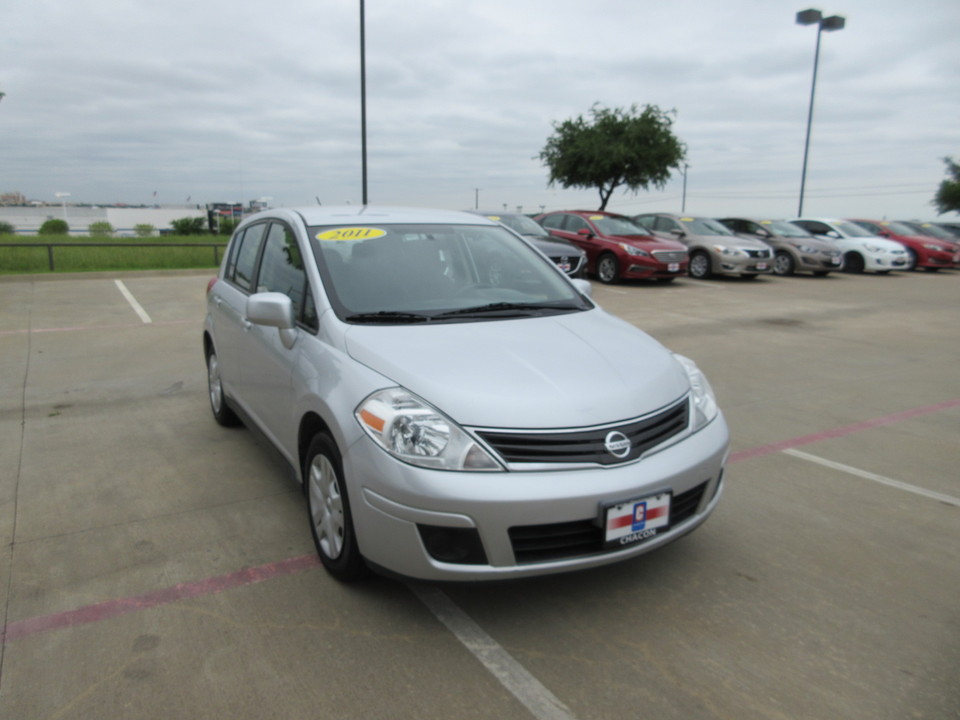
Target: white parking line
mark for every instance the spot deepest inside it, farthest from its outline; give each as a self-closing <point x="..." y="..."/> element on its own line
<point x="542" y="703"/>
<point x="137" y="308"/>
<point x="949" y="500"/>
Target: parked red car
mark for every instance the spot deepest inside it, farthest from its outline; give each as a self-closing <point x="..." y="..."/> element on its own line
<point x="616" y="246"/>
<point x="924" y="251"/>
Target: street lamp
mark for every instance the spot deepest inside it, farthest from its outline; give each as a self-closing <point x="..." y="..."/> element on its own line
<point x="834" y="22"/>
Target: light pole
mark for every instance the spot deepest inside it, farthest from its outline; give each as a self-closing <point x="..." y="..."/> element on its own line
<point x="63" y="198"/>
<point x="834" y="22"/>
<point x="363" y="101"/>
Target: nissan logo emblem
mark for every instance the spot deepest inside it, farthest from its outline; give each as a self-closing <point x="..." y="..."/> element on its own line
<point x="617" y="444"/>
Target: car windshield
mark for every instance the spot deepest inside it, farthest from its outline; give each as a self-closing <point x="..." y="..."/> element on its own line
<point x="428" y="273"/>
<point x="852" y="229"/>
<point x="519" y="224"/>
<point x="785" y="229"/>
<point x="610" y="225"/>
<point x="934" y="231"/>
<point x="705" y="226"/>
<point x="899" y="228"/>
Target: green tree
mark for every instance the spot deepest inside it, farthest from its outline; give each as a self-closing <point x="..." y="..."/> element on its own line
<point x="634" y="148"/>
<point x="143" y="230"/>
<point x="54" y="226"/>
<point x="190" y="226"/>
<point x="947" y="198"/>
<point x="100" y="229"/>
<point x="6" y="228"/>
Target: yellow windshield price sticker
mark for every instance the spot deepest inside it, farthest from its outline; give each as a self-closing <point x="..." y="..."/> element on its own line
<point x="596" y="217"/>
<point x="351" y="233"/>
<point x="493" y="217"/>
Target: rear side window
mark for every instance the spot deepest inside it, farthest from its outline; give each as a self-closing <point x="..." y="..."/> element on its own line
<point x="243" y="257"/>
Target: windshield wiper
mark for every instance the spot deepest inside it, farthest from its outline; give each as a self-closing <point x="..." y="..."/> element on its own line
<point x="508" y="307"/>
<point x="387" y="316"/>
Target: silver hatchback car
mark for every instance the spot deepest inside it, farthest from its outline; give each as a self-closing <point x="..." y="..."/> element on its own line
<point x="444" y="427"/>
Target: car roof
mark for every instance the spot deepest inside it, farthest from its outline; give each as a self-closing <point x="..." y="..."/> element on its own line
<point x="353" y="214"/>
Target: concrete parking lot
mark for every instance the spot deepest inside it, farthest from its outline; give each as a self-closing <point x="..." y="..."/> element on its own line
<point x="156" y="565"/>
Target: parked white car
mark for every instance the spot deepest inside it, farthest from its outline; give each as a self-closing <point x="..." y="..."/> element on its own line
<point x="862" y="251"/>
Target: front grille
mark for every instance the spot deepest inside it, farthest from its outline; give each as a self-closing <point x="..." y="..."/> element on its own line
<point x="759" y="253"/>
<point x="589" y="446"/>
<point x="573" y="260"/>
<point x="670" y="256"/>
<point x="558" y="541"/>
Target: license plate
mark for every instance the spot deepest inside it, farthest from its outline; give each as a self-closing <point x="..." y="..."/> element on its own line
<point x="633" y="521"/>
<point x="761" y="266"/>
<point x="565" y="266"/>
<point x="673" y="267"/>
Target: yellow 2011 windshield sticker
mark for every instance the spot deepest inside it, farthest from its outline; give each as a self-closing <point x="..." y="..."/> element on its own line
<point x="351" y="233"/>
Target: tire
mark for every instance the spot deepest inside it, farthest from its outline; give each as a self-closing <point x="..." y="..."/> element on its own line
<point x="608" y="270"/>
<point x="700" y="265"/>
<point x="784" y="264"/>
<point x="222" y="412"/>
<point x="911" y="259"/>
<point x="328" y="510"/>
<point x="853" y="263"/>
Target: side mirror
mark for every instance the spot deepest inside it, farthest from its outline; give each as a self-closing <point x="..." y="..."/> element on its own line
<point x="833" y="234"/>
<point x="584" y="232"/>
<point x="273" y="309"/>
<point x="677" y="232"/>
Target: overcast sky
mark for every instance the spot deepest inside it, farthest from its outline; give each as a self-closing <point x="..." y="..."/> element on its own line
<point x="113" y="101"/>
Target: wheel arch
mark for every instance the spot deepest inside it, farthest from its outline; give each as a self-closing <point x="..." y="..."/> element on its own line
<point x="311" y="425"/>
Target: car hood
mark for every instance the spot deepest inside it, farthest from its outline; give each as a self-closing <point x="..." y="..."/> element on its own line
<point x="572" y="370"/>
<point x="648" y="240"/>
<point x="553" y="246"/>
<point x="738" y="241"/>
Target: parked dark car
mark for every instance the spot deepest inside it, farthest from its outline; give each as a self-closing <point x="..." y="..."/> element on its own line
<point x="567" y="256"/>
<point x="795" y="250"/>
<point x="616" y="246"/>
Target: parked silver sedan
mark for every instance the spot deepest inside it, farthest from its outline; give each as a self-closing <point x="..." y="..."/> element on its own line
<point x="795" y="249"/>
<point x="714" y="249"/>
<point x="444" y="427"/>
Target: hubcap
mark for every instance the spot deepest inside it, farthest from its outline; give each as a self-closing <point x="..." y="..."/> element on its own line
<point x="326" y="506"/>
<point x="607" y="269"/>
<point x="699" y="265"/>
<point x="781" y="265"/>
<point x="213" y="382"/>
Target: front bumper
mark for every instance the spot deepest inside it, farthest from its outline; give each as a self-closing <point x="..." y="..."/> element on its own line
<point x="392" y="502"/>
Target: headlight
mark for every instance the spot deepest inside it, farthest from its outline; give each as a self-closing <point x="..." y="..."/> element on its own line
<point x="938" y="248"/>
<point x="631" y="250"/>
<point x="809" y="250"/>
<point x="416" y="433"/>
<point x="704" y="401"/>
<point x="873" y="248"/>
<point x="724" y="250"/>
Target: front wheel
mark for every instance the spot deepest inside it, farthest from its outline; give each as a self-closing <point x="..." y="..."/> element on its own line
<point x="607" y="269"/>
<point x="853" y="263"/>
<point x="912" y="259"/>
<point x="783" y="264"/>
<point x="700" y="266"/>
<point x="328" y="508"/>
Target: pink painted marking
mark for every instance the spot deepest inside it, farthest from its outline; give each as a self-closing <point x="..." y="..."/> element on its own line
<point x="842" y="431"/>
<point x="120" y="606"/>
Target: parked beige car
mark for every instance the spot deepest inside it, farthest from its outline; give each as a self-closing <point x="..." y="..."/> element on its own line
<point x="714" y="249"/>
